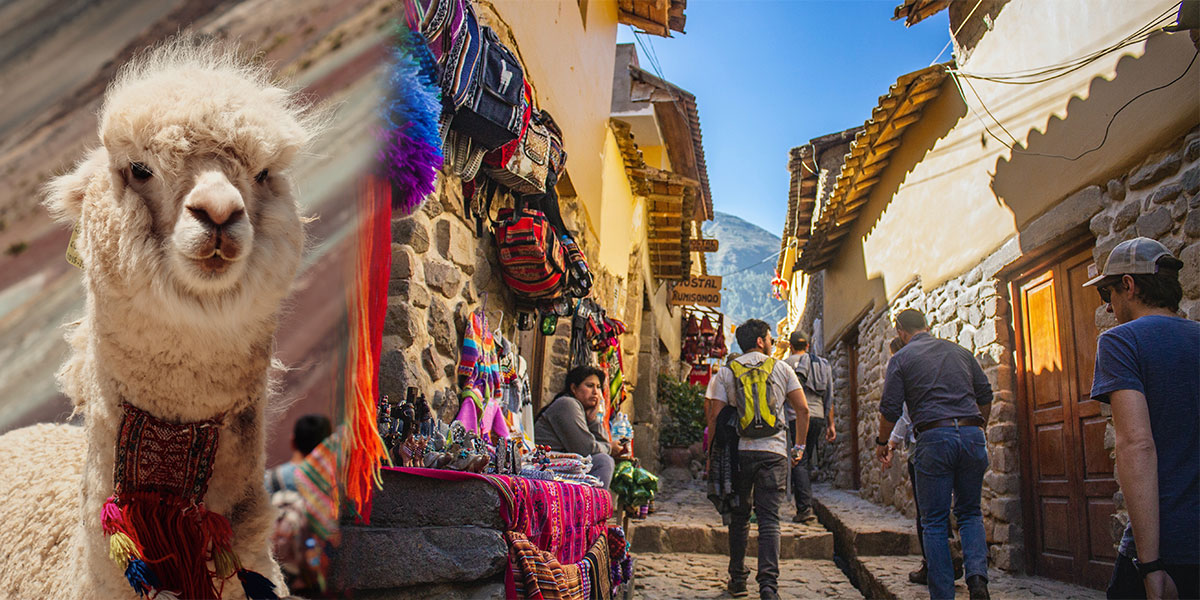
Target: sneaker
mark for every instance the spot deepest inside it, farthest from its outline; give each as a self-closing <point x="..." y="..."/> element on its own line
<point x="737" y="589"/>
<point x="920" y="576"/>
<point x="977" y="588"/>
<point x="768" y="594"/>
<point x="804" y="516"/>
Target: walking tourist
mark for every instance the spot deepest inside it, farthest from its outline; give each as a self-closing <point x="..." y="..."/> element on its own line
<point x="1147" y="370"/>
<point x="903" y="434"/>
<point x="758" y="386"/>
<point x="816" y="377"/>
<point x="572" y="422"/>
<point x="949" y="399"/>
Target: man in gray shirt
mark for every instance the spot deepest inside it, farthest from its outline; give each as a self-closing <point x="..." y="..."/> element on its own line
<point x="949" y="399"/>
<point x="816" y="377"/>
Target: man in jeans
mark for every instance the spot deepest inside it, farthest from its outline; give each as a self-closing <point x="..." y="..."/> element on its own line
<point x="949" y="399"/>
<point x="816" y="377"/>
<point x="763" y="462"/>
<point x="1147" y="370"/>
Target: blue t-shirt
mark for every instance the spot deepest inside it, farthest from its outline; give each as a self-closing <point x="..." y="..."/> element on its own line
<point x="1160" y="357"/>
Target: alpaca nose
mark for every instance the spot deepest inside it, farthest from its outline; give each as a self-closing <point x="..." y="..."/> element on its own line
<point x="214" y="201"/>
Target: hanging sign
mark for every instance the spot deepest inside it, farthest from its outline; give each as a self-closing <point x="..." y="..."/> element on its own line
<point x="703" y="245"/>
<point x="704" y="290"/>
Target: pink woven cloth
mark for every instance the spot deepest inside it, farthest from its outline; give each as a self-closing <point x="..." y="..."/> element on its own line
<point x="563" y="519"/>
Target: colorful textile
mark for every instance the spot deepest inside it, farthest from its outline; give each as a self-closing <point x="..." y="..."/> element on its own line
<point x="316" y="481"/>
<point x="538" y="575"/>
<point x="596" y="567"/>
<point x="478" y="362"/>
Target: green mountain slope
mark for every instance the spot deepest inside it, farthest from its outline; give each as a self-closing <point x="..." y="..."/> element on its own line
<point x="747" y="276"/>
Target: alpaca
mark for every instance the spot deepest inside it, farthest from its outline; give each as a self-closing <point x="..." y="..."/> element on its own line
<point x="190" y="237"/>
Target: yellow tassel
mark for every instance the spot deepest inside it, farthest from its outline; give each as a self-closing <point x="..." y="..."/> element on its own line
<point x="122" y="549"/>
<point x="226" y="562"/>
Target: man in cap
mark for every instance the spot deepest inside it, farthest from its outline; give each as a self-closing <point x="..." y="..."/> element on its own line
<point x="1148" y="370"/>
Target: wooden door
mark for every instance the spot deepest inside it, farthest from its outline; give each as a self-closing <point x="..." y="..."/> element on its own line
<point x="1068" y="473"/>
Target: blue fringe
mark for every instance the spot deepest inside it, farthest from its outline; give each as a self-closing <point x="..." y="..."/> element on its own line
<point x="141" y="577"/>
<point x="256" y="586"/>
<point x="414" y="101"/>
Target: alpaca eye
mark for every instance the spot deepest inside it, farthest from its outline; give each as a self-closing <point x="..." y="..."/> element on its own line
<point x="140" y="172"/>
<point x="262" y="176"/>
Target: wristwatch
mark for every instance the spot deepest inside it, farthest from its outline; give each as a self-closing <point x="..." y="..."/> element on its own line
<point x="798" y="448"/>
<point x="1147" y="568"/>
<point x="878" y="442"/>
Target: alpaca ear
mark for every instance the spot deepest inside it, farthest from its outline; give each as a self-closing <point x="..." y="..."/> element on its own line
<point x="64" y="194"/>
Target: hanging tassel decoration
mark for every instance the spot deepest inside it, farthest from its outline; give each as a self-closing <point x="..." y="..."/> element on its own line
<point x="141" y="577"/>
<point x="256" y="586"/>
<point x="411" y="147"/>
<point x="366" y="453"/>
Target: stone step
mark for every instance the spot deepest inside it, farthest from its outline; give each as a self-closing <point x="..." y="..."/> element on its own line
<point x="886" y="578"/>
<point x="862" y="528"/>
<point x="795" y="541"/>
<point x="688" y="576"/>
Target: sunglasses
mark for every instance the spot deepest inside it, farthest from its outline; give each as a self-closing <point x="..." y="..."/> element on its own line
<point x="1105" y="292"/>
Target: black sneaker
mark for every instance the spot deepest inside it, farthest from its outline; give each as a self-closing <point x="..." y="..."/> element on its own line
<point x="768" y="594"/>
<point x="737" y="589"/>
<point x="804" y="516"/>
<point x="920" y="576"/>
<point x="977" y="588"/>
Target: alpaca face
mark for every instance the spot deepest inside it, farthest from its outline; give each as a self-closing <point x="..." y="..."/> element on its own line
<point x="187" y="206"/>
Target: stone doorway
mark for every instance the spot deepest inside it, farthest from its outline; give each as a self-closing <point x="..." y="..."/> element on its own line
<point x="1068" y="481"/>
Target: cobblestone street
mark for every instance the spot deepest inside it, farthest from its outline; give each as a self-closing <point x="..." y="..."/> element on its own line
<point x="681" y="552"/>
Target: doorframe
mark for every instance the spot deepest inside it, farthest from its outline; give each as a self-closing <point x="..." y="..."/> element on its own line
<point x="1020" y="269"/>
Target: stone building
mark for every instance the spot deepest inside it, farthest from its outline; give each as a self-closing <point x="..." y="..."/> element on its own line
<point x="986" y="204"/>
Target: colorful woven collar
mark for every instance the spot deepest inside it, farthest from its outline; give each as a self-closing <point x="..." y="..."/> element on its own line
<point x="159" y="531"/>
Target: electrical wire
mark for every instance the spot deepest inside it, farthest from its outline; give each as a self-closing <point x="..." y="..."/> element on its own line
<point x="1107" y="128"/>
<point x="955" y="34"/>
<point x="772" y="255"/>
<point x="1046" y="73"/>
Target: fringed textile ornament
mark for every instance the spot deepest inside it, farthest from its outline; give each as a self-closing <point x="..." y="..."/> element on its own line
<point x="779" y="287"/>
<point x="411" y="146"/>
<point x="160" y="533"/>
<point x="366" y="453"/>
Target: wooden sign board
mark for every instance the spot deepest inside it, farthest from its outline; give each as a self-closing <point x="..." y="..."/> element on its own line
<point x="699" y="291"/>
<point x="703" y="245"/>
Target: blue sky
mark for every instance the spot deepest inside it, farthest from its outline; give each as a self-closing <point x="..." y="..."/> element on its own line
<point x="770" y="75"/>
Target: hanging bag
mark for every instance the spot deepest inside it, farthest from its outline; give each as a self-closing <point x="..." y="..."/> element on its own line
<point x="523" y="164"/>
<point x="532" y="259"/>
<point x="487" y="94"/>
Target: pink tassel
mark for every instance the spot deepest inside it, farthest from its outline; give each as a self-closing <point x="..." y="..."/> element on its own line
<point x="110" y="517"/>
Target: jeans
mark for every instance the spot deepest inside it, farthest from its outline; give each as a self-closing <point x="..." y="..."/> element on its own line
<point x="763" y="475"/>
<point x="801" y="483"/>
<point x="951" y="460"/>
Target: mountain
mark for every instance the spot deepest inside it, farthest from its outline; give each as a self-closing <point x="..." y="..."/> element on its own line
<point x="746" y="259"/>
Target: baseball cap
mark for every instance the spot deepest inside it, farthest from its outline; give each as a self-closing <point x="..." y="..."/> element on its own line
<point x="797" y="338"/>
<point x="1138" y="256"/>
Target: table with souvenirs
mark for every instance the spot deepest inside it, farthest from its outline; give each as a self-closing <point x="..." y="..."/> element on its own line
<point x="556" y="515"/>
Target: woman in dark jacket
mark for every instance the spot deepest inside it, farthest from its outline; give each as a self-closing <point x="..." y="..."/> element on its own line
<point x="572" y="422"/>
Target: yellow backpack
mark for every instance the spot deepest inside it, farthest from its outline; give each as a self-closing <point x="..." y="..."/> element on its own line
<point x="751" y="386"/>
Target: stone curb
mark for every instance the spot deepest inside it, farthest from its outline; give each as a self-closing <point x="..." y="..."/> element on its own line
<point x="861" y="528"/>
<point x="702" y="539"/>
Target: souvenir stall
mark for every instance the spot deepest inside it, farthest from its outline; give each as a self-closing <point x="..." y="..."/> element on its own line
<point x="704" y="345"/>
<point x="460" y="99"/>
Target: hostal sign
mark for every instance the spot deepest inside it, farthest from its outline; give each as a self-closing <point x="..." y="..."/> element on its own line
<point x="703" y="290"/>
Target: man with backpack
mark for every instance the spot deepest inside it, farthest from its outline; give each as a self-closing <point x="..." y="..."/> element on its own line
<point x="816" y="377"/>
<point x="758" y="386"/>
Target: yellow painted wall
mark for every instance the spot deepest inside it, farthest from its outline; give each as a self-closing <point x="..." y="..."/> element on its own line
<point x="656" y="156"/>
<point x="616" y="226"/>
<point x="951" y="195"/>
<point x="570" y="66"/>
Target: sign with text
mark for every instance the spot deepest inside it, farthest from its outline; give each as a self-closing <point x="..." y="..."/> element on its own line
<point x="703" y="245"/>
<point x="701" y="291"/>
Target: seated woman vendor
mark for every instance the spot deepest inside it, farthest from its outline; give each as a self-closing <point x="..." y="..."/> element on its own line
<point x="572" y="422"/>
